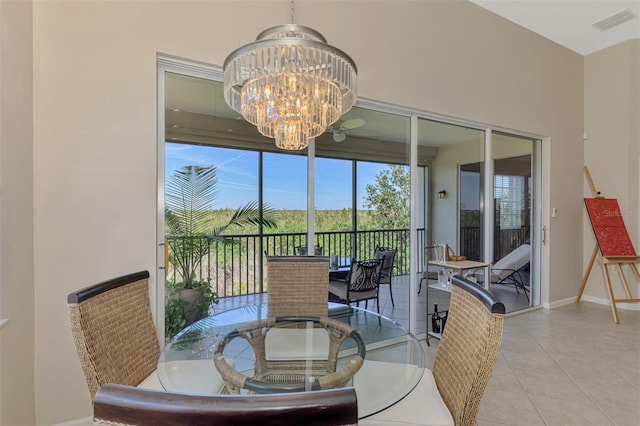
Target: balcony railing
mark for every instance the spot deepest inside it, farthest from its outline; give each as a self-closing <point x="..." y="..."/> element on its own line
<point x="238" y="268"/>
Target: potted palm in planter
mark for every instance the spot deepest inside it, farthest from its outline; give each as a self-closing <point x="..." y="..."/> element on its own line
<point x="190" y="196"/>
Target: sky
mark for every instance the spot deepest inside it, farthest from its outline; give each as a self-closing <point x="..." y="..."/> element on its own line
<point x="285" y="184"/>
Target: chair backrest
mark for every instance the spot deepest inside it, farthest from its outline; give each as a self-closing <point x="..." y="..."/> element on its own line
<point x="125" y="405"/>
<point x="364" y="275"/>
<point x="298" y="286"/>
<point x="430" y="271"/>
<point x="388" y="257"/>
<point x="113" y="331"/>
<point x="302" y="250"/>
<point x="468" y="349"/>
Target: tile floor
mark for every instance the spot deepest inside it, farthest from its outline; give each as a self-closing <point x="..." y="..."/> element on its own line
<point x="399" y="312"/>
<point x="567" y="366"/>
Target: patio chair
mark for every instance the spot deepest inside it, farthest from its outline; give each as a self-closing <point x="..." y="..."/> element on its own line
<point x="297" y="325"/>
<point x="360" y="285"/>
<point x="430" y="272"/>
<point x="126" y="405"/>
<point x="303" y="251"/>
<point x="386" y="269"/>
<point x="114" y="333"/>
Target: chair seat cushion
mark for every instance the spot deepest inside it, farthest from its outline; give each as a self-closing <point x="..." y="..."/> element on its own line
<point x="152" y="381"/>
<point x="423" y="406"/>
<point x="339" y="289"/>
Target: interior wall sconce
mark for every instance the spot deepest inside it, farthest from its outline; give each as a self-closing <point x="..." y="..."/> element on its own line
<point x="442" y="194"/>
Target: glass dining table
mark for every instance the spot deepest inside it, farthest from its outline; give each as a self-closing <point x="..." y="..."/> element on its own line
<point x="393" y="363"/>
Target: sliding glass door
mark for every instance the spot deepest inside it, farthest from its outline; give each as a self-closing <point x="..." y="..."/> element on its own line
<point x="515" y="204"/>
<point x="379" y="177"/>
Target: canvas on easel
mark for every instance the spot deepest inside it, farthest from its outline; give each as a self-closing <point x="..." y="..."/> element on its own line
<point x="613" y="244"/>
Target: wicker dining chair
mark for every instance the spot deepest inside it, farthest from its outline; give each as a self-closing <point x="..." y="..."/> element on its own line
<point x="297" y="302"/>
<point x="114" y="333"/>
<point x="126" y="405"/>
<point x="468" y="349"/>
<point x="450" y="394"/>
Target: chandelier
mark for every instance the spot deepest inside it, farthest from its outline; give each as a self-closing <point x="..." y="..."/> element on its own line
<point x="290" y="84"/>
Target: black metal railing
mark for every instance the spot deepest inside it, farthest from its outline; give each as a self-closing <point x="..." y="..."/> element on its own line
<point x="505" y="241"/>
<point x="238" y="268"/>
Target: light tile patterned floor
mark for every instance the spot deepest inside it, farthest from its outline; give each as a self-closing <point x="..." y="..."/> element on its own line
<point x="567" y="366"/>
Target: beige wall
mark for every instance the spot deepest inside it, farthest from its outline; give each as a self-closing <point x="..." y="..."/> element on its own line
<point x="612" y="152"/>
<point x="16" y="215"/>
<point x="94" y="150"/>
<point x="444" y="176"/>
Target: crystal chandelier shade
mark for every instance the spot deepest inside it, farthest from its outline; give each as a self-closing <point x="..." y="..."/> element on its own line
<point x="290" y="84"/>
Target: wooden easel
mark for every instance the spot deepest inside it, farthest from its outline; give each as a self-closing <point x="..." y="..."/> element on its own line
<point x="612" y="242"/>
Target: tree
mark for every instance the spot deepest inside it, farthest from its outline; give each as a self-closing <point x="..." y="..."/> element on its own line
<point x="389" y="198"/>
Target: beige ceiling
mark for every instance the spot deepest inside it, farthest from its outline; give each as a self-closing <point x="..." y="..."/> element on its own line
<point x="569" y="22"/>
<point x="196" y="105"/>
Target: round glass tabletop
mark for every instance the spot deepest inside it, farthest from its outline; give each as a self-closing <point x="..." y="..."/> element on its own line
<point x="393" y="363"/>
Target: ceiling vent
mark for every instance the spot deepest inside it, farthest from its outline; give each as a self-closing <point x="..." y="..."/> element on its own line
<point x="614" y="20"/>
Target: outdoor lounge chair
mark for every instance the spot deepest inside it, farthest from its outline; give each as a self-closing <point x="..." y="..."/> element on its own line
<point x="510" y="269"/>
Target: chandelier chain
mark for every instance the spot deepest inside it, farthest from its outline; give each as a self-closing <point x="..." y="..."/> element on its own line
<point x="291" y="10"/>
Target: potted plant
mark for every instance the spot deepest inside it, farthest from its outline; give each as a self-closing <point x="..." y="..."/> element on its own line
<point x="190" y="196"/>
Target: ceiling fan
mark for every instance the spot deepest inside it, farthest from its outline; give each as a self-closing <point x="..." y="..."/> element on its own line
<point x="341" y="131"/>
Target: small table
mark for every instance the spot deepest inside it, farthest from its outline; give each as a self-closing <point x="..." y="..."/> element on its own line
<point x="463" y="267"/>
<point x="393" y="365"/>
<point x="340" y="273"/>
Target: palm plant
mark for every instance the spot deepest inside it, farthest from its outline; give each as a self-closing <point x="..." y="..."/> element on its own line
<point x="190" y="196"/>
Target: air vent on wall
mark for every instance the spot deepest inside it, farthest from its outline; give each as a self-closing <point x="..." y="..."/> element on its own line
<point x="613" y="20"/>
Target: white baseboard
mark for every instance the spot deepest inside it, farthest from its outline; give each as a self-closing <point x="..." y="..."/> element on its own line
<point x="607" y="302"/>
<point x="559" y="303"/>
<point x="593" y="299"/>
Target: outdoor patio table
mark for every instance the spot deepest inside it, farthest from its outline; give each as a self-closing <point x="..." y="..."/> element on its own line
<point x="392" y="368"/>
<point x="463" y="267"/>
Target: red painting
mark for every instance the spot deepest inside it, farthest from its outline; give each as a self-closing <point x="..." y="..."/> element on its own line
<point x="608" y="225"/>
